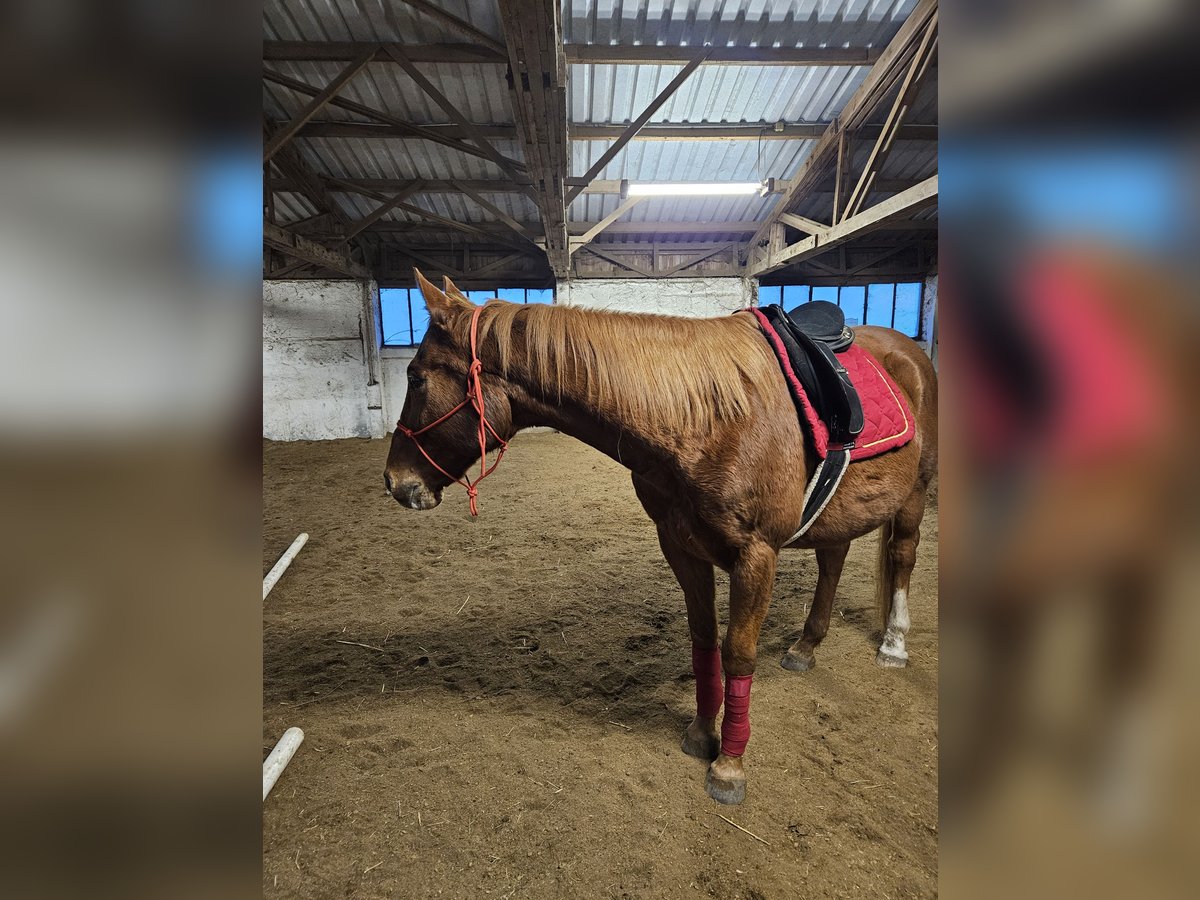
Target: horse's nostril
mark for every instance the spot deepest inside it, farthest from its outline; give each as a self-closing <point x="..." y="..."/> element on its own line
<point x="387" y="483"/>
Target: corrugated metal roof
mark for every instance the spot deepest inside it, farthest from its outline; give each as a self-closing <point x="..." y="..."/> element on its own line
<point x="383" y="158"/>
<point x="713" y="94"/>
<point x="759" y="23"/>
<point x="372" y="20"/>
<point x="693" y="160"/>
<point x="598" y="94"/>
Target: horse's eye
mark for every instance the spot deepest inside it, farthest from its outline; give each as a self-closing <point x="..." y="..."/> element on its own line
<point x="415" y="380"/>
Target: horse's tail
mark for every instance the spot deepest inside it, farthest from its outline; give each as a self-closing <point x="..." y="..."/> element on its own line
<point x="885" y="574"/>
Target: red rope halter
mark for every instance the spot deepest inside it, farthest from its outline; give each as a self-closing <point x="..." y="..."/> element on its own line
<point x="475" y="398"/>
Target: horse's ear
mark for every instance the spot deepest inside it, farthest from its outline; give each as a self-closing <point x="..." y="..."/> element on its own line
<point x="439" y="303"/>
<point x="452" y="289"/>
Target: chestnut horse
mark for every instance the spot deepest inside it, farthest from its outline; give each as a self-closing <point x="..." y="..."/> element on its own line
<point x="698" y="411"/>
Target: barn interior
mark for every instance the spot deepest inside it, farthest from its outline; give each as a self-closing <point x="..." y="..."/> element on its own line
<point x="493" y="705"/>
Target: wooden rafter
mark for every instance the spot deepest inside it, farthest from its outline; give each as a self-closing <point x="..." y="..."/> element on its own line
<point x="314" y="106"/>
<point x="382" y="210"/>
<point x="765" y="131"/>
<point x="510" y="166"/>
<point x="407" y="128"/>
<point x="695" y="260"/>
<point x="432" y="263"/>
<point x="883" y="77"/>
<point x="455" y="23"/>
<point x="338" y="51"/>
<point x="622" y="208"/>
<point x="419" y="212"/>
<point x="537" y="79"/>
<point x="520" y="229"/>
<point x="493" y="266"/>
<point x="301" y="248"/>
<point x="901" y="204"/>
<point x="811" y="226"/>
<point x="636" y="125"/>
<point x="484" y="51"/>
<point x="904" y="99"/>
<point x="618" y="261"/>
<point x="288" y="161"/>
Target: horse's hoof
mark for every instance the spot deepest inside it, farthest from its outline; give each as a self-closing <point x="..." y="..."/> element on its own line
<point x="797" y="662"/>
<point x="890" y="660"/>
<point x="726" y="782"/>
<point x="705" y="747"/>
<point x="724" y="790"/>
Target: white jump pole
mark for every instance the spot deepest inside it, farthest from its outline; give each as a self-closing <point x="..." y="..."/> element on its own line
<point x="279" y="758"/>
<point x="284" y="561"/>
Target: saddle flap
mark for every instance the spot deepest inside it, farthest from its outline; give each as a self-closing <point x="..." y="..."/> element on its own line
<point x="822" y="376"/>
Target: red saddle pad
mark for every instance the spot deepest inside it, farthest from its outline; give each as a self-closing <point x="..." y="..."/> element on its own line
<point x="888" y="421"/>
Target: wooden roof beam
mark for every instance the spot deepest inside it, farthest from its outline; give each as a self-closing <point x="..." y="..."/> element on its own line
<point x="484" y="51"/>
<point x="455" y="24"/>
<point x="593" y="230"/>
<point x="905" y="202"/>
<point x="537" y="79"/>
<point x="416" y="131"/>
<point x="795" y="131"/>
<point x="883" y="77"/>
<point x="301" y="248"/>
<point x="507" y="165"/>
<point x="636" y="125"/>
<point x="314" y="106"/>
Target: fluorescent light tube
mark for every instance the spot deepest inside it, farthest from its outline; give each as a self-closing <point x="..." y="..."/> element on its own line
<point x="695" y="188"/>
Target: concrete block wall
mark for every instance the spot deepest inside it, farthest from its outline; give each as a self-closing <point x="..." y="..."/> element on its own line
<point x="697" y="297"/>
<point x="320" y="360"/>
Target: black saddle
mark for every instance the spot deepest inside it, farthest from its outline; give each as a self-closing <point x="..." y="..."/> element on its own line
<point x="813" y="334"/>
<point x="825" y="322"/>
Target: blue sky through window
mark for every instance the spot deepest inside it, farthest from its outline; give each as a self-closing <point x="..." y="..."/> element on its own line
<point x="890" y="304"/>
<point x="405" y="319"/>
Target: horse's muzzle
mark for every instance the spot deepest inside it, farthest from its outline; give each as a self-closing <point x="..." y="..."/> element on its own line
<point x="412" y="494"/>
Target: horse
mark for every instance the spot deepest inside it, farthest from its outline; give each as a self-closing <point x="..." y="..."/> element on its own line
<point x="698" y="410"/>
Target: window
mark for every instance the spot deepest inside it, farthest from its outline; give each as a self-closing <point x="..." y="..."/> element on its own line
<point x="405" y="318"/>
<point x="891" y="304"/>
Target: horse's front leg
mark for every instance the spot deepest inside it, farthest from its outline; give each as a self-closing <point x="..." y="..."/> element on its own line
<point x="695" y="576"/>
<point x="750" y="582"/>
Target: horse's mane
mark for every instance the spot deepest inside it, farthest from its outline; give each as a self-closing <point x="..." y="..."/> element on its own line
<point x="656" y="370"/>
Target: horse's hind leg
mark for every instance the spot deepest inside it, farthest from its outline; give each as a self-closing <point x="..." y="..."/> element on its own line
<point x="695" y="576"/>
<point x="830" y="560"/>
<point x="897" y="556"/>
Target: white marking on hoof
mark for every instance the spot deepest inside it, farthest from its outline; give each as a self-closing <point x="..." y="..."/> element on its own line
<point x="892" y="652"/>
<point x="887" y="661"/>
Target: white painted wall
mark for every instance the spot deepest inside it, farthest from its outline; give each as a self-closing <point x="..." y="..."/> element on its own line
<point x="321" y="368"/>
<point x="697" y="297"/>
<point x="929" y="336"/>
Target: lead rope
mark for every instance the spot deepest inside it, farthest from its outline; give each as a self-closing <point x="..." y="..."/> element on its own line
<point x="475" y="398"/>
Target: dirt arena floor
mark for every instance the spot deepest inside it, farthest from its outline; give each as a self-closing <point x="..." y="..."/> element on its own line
<point x="493" y="708"/>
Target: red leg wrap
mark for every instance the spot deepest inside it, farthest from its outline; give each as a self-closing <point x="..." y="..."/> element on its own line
<point x="706" y="664"/>
<point x="735" y="728"/>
